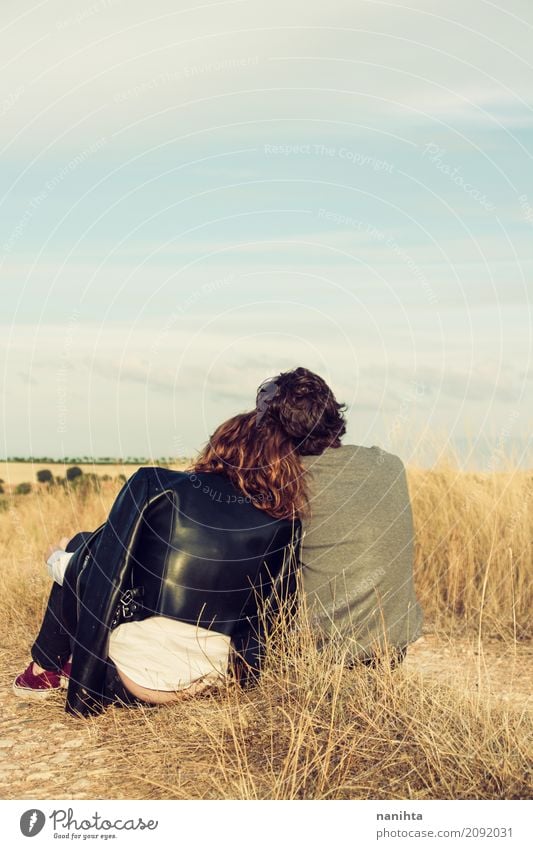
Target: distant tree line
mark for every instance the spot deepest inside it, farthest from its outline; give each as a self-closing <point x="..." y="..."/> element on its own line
<point x="99" y="461"/>
<point x="85" y="483"/>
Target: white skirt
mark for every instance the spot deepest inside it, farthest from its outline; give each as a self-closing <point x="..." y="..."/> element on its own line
<point x="163" y="654"/>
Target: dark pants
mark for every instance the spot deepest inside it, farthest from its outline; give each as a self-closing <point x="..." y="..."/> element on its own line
<point x="55" y="640"/>
<point x="53" y="645"/>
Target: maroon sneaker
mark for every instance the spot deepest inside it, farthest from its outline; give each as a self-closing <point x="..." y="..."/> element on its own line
<point x="28" y="685"/>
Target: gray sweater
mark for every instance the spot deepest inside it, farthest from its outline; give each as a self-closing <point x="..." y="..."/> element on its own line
<point x="358" y="550"/>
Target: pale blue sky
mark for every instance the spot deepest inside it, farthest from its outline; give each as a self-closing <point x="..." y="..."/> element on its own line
<point x="196" y="196"/>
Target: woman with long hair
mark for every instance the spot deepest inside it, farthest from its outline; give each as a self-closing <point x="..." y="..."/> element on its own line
<point x="179" y="585"/>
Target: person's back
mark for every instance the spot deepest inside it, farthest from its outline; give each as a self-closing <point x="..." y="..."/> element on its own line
<point x="358" y="550"/>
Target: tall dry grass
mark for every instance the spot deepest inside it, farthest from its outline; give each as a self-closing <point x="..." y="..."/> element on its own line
<point x="311" y="728"/>
<point x="474" y="548"/>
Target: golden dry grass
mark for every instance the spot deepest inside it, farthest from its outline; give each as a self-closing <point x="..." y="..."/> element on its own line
<point x="474" y="547"/>
<point x="310" y="729"/>
<point x="13" y="473"/>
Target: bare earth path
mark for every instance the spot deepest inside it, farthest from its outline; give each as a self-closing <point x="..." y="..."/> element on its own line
<point x="44" y="754"/>
<point x="498" y="672"/>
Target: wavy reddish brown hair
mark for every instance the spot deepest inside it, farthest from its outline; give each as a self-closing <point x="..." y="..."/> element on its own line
<point x="260" y="451"/>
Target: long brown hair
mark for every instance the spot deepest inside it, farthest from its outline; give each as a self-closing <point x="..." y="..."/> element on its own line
<point x="260" y="451"/>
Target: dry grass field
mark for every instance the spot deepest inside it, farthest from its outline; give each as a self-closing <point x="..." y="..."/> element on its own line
<point x="14" y="473"/>
<point x="454" y="721"/>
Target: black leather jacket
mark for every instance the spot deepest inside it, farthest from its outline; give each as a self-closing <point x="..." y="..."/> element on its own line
<point x="184" y="545"/>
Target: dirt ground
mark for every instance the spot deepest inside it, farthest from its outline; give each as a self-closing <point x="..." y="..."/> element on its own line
<point x="498" y="672"/>
<point x="46" y="754"/>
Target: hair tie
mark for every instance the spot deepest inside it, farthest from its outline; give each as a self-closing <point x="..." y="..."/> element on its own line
<point x="266" y="392"/>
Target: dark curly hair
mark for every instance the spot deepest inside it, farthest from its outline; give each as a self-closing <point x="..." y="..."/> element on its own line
<point x="304" y="406"/>
<point x="296" y="414"/>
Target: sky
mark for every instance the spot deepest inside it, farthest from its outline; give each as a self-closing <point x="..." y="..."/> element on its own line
<point x="197" y="196"/>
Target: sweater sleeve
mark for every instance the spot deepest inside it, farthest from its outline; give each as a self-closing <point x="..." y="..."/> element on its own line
<point x="57" y="564"/>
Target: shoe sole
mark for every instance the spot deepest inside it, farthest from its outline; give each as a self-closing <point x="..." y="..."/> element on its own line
<point x="26" y="693"/>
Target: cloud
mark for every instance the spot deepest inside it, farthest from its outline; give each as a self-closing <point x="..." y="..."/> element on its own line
<point x="136" y="372"/>
<point x="483" y="381"/>
<point x="94" y="71"/>
<point x="28" y="378"/>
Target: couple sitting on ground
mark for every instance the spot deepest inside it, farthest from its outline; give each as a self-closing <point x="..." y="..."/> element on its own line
<point x="181" y="584"/>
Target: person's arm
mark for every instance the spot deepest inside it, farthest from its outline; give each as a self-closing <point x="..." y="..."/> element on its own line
<point x="249" y="645"/>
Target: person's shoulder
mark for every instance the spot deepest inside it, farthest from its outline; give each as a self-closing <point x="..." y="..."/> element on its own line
<point x="386" y="458"/>
<point x="153" y="471"/>
<point x="351" y="457"/>
<point x="344" y="454"/>
<point x="160" y="475"/>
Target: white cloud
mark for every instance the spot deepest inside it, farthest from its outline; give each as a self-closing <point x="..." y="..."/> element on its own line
<point x="96" y="68"/>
